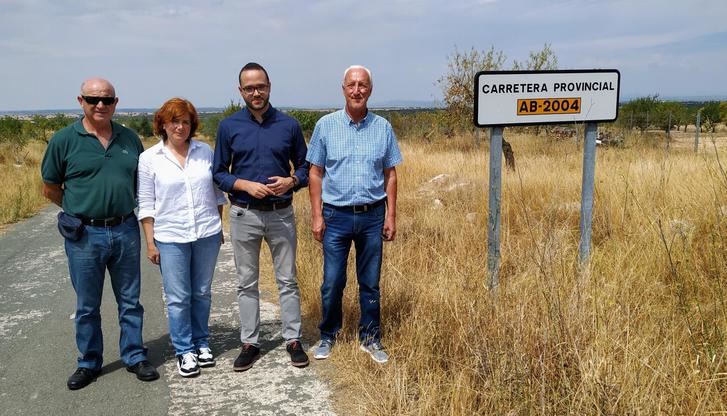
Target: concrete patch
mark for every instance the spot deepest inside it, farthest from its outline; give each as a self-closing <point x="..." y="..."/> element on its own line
<point x="271" y="387"/>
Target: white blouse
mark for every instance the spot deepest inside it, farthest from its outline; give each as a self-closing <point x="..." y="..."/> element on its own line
<point x="182" y="200"/>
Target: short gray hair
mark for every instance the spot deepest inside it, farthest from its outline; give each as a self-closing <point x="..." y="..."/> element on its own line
<point x="371" y="79"/>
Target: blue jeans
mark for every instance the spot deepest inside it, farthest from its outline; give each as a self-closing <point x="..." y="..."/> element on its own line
<point x="187" y="270"/>
<point x="116" y="249"/>
<point x="364" y="230"/>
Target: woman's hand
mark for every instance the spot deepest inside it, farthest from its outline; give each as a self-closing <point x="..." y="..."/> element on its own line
<point x="152" y="253"/>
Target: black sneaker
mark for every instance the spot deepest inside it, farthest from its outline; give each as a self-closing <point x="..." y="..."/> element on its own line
<point x="247" y="357"/>
<point x="205" y="357"/>
<point x="298" y="357"/>
<point x="187" y="365"/>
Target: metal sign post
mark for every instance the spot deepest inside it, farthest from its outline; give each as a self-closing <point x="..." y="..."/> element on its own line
<point x="512" y="98"/>
<point x="589" y="173"/>
<point x="493" y="219"/>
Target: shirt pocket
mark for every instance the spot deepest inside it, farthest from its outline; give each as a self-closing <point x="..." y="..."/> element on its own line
<point x="338" y="152"/>
<point x="374" y="158"/>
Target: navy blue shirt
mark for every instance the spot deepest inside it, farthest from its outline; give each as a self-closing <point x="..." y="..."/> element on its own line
<point x="255" y="151"/>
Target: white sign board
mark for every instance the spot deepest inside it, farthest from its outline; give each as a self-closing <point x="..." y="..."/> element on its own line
<point x="508" y="98"/>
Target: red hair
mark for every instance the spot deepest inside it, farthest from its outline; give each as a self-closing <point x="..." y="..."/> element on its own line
<point x="175" y="108"/>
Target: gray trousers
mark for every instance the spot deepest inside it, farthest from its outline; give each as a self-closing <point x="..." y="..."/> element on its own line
<point x="248" y="227"/>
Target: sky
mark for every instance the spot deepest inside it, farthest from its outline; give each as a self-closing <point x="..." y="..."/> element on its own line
<point x="152" y="50"/>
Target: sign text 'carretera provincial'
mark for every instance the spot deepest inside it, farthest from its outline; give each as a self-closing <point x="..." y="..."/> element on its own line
<point x="505" y="98"/>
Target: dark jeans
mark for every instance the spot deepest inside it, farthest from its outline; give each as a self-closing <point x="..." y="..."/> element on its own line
<point x="364" y="230"/>
<point x="116" y="249"/>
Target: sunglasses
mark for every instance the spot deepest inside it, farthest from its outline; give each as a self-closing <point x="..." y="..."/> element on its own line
<point x="95" y="100"/>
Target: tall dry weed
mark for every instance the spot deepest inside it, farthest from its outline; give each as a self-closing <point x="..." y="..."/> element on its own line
<point x="20" y="195"/>
<point x="641" y="331"/>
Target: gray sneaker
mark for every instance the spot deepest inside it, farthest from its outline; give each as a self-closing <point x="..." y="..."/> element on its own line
<point x="376" y="350"/>
<point x="323" y="350"/>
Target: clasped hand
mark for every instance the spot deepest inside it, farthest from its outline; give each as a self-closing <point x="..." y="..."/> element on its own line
<point x="278" y="186"/>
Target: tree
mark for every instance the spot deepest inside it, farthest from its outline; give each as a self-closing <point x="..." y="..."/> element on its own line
<point x="544" y="59"/>
<point x="641" y="111"/>
<point x="232" y="108"/>
<point x="458" y="84"/>
<point x="210" y="123"/>
<point x="10" y="129"/>
<point x="723" y="111"/>
<point x="667" y="114"/>
<point x="60" y="121"/>
<point x="12" y="133"/>
<point x="306" y="119"/>
<point x="141" y="124"/>
<point x="711" y="112"/>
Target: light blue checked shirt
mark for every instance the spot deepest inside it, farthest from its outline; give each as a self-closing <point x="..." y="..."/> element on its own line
<point x="353" y="156"/>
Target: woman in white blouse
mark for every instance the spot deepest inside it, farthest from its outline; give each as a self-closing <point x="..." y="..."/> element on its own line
<point x="180" y="210"/>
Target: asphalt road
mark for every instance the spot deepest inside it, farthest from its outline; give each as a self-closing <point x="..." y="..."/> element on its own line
<point x="38" y="352"/>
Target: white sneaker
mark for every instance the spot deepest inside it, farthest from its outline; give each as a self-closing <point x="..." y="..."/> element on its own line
<point x="323" y="350"/>
<point x="376" y="350"/>
<point x="205" y="357"/>
<point x="187" y="365"/>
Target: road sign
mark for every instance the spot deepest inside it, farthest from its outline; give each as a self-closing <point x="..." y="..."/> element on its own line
<point x="508" y="98"/>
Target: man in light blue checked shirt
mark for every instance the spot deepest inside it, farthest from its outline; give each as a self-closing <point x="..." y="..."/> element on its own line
<point x="353" y="155"/>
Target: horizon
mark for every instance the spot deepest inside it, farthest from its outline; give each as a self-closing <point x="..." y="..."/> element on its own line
<point x="392" y="105"/>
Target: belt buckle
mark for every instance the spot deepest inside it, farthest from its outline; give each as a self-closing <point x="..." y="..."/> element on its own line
<point x="360" y="208"/>
<point x="98" y="222"/>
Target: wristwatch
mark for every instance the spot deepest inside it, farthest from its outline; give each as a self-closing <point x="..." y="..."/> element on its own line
<point x="295" y="181"/>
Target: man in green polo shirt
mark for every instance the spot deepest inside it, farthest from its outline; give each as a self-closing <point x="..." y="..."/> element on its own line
<point x="89" y="170"/>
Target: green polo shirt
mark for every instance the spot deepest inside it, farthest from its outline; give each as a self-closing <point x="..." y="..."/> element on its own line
<point x="97" y="182"/>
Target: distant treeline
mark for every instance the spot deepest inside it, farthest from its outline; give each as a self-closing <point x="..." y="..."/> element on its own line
<point x="641" y="113"/>
<point x="650" y="112"/>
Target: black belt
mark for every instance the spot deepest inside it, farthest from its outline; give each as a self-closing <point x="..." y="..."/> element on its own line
<point x="358" y="208"/>
<point x="106" y="222"/>
<point x="269" y="206"/>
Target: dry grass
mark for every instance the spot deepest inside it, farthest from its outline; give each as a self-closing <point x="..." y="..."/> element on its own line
<point x="21" y="196"/>
<point x="20" y="193"/>
<point x="641" y="332"/>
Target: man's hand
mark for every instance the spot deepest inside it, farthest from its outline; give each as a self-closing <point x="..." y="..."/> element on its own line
<point x="256" y="190"/>
<point x="389" y="231"/>
<point x="280" y="185"/>
<point x="54" y="192"/>
<point x="318" y="226"/>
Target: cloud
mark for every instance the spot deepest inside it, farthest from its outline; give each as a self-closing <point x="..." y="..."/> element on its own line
<point x="156" y="49"/>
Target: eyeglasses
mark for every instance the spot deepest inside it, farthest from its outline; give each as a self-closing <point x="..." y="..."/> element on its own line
<point x="95" y="100"/>
<point x="358" y="85"/>
<point x="250" y="89"/>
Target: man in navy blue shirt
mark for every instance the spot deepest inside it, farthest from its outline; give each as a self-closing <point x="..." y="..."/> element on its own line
<point x="255" y="149"/>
